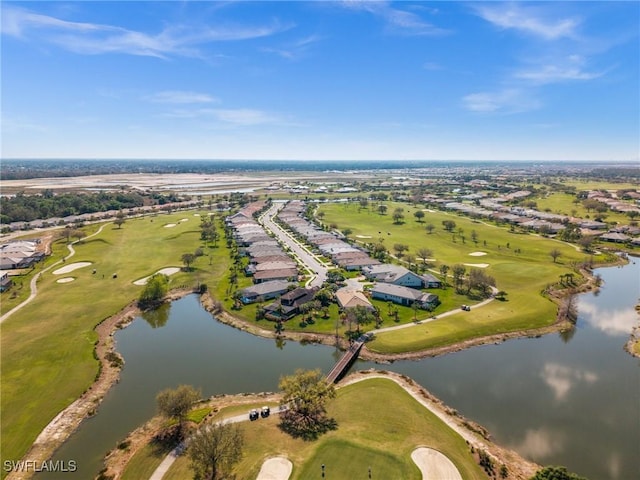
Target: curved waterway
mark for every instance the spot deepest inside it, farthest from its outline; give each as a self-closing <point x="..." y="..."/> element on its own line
<point x="569" y="399"/>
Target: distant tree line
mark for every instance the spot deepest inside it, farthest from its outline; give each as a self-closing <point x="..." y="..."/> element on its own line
<point x="26" y="208"/>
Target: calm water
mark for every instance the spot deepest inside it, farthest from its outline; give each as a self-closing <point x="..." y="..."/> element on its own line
<point x="571" y="400"/>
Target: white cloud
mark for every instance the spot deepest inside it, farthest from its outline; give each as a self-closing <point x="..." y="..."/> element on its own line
<point x="611" y="322"/>
<point x="567" y="69"/>
<point x="508" y="100"/>
<point x="294" y="50"/>
<point x="14" y="125"/>
<point x="529" y="19"/>
<point x="176" y="96"/>
<point x="561" y="379"/>
<point x="540" y="443"/>
<point x="94" y="39"/>
<point x="245" y="116"/>
<point x="396" y="20"/>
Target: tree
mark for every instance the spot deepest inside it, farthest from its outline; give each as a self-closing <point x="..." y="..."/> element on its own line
<point x="458" y="272"/>
<point x="586" y="243"/>
<point x="479" y="280"/>
<point x="119" y="219"/>
<point x="382" y="209"/>
<point x="154" y="291"/>
<point x="176" y="403"/>
<point x="556" y="473"/>
<point x="398" y="216"/>
<point x="361" y="315"/>
<point x="430" y="227"/>
<point x="419" y="216"/>
<point x="449" y="225"/>
<point x="303" y="406"/>
<point x="474" y="236"/>
<point x="555" y="254"/>
<point x="425" y="254"/>
<point x="443" y="270"/>
<point x="187" y="259"/>
<point x="214" y="449"/>
<point x="400" y="248"/>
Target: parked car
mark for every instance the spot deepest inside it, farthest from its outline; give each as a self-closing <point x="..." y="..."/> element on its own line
<point x="466" y="308"/>
<point x="253" y="415"/>
<point x="265" y="412"/>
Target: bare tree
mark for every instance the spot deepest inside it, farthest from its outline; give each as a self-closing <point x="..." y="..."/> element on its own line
<point x="555" y="254"/>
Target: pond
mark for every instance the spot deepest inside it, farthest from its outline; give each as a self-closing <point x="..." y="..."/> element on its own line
<point x="568" y="399"/>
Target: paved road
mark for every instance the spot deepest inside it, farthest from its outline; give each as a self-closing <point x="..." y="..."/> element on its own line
<point x="315" y="267"/>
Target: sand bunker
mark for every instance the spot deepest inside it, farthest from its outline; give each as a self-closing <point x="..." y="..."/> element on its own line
<point x="363" y="236"/>
<point x="477" y="265"/>
<point x="478" y="254"/>
<point x="277" y="468"/>
<point x="70" y="268"/>
<point x="434" y="464"/>
<point x="170" y="225"/>
<point x="65" y="280"/>
<point x="196" y="214"/>
<point x="164" y="271"/>
<point x="184" y="220"/>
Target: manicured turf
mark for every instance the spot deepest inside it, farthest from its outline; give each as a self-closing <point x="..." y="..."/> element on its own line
<point x="47" y="359"/>
<point x="370" y="433"/>
<point x="519" y="262"/>
<point x="562" y="203"/>
<point x="144" y="463"/>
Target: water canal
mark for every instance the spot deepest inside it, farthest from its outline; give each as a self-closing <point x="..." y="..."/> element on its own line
<point x="560" y="399"/>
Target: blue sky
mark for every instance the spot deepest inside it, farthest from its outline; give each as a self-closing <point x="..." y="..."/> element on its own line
<point x="321" y="80"/>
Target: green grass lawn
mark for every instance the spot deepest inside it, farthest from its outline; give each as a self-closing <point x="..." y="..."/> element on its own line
<point x="562" y="203"/>
<point x="519" y="262"/>
<point x="370" y="433"/>
<point x="47" y="359"/>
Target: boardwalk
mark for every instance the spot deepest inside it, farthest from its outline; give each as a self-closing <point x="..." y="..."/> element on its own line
<point x="346" y="360"/>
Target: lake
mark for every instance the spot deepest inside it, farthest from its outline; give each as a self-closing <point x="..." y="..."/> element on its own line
<point x="568" y="399"/>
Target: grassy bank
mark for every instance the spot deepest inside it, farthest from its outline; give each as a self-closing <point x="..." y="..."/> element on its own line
<point x="370" y="433"/>
<point x="47" y="347"/>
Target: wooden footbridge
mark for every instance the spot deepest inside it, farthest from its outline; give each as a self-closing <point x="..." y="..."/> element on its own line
<point x="346" y="360"/>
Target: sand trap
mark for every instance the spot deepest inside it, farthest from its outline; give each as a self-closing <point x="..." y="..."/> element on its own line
<point x="478" y="254"/>
<point x="434" y="464"/>
<point x="477" y="265"/>
<point x="277" y="468"/>
<point x="70" y="268"/>
<point x="65" y="280"/>
<point x="184" y="220"/>
<point x="196" y="214"/>
<point x="165" y="271"/>
<point x="363" y="236"/>
<point x="170" y="225"/>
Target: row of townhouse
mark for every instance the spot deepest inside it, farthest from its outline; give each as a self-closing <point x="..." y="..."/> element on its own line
<point x="267" y="260"/>
<point x="20" y="254"/>
<point x="97" y="216"/>
<point x="328" y="244"/>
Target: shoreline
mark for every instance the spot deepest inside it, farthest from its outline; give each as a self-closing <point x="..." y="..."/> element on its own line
<point x="474" y="434"/>
<point x="53" y="436"/>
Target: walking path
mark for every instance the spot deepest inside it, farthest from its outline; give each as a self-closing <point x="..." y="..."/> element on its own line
<point x="176" y="452"/>
<point x="435" y="317"/>
<point x="33" y="285"/>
